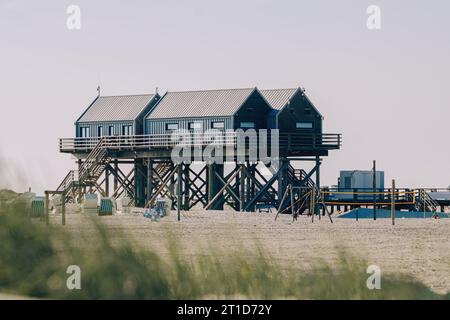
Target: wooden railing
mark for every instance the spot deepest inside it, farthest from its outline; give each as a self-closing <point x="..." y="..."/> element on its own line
<point x="423" y="199"/>
<point x="288" y="141"/>
<point x="67" y="181"/>
<point x="94" y="159"/>
<point x="364" y="196"/>
<point x="427" y="201"/>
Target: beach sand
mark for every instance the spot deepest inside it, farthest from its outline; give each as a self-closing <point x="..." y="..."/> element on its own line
<point x="416" y="247"/>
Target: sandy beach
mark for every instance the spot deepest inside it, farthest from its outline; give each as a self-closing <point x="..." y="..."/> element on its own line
<point x="417" y="247"/>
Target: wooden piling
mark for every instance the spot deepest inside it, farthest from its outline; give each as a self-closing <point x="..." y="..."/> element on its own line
<point x="47" y="205"/>
<point x="179" y="182"/>
<point x="63" y="209"/>
<point x="220" y="193"/>
<point x="292" y="201"/>
<point x="393" y="202"/>
<point x="312" y="204"/>
<point x="242" y="187"/>
<point x="282" y="200"/>
<point x="374" y="185"/>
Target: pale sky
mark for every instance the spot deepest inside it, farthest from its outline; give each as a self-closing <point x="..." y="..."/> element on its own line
<point x="385" y="90"/>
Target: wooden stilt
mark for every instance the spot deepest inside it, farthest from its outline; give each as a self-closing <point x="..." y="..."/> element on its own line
<point x="179" y="195"/>
<point x="292" y="200"/>
<point x="393" y="202"/>
<point x="47" y="209"/>
<point x="63" y="209"/>
<point x="282" y="201"/>
<point x="223" y="189"/>
<point x="242" y="187"/>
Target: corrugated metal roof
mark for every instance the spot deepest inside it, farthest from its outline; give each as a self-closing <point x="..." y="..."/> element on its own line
<point x="207" y="103"/>
<point x="116" y="108"/>
<point x="278" y="98"/>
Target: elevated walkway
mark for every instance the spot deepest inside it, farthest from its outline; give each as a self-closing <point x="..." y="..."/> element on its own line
<point x="290" y="144"/>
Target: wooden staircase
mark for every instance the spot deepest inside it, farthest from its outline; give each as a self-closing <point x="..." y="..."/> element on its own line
<point x="425" y="202"/>
<point x="299" y="177"/>
<point x="87" y="175"/>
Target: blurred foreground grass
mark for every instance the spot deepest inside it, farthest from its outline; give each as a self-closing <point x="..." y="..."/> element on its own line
<point x="34" y="259"/>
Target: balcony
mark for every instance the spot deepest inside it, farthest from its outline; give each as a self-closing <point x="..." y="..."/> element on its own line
<point x="288" y="142"/>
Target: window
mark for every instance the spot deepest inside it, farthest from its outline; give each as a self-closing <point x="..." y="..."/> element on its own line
<point x="171" y="126"/>
<point x="307" y="111"/>
<point x="247" y="125"/>
<point x="100" y="131"/>
<point x="85" y="132"/>
<point x="304" y="125"/>
<point x="195" y="125"/>
<point x="110" y="130"/>
<point x="127" y="130"/>
<point x="218" y="125"/>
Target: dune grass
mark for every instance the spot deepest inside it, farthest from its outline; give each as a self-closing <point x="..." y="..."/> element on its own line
<point x="34" y="258"/>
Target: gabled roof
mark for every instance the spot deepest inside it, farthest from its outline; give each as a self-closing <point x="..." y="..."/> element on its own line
<point x="206" y="103"/>
<point x="278" y="98"/>
<point x="116" y="108"/>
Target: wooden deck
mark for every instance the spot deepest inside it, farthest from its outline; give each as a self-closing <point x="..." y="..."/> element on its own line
<point x="288" y="143"/>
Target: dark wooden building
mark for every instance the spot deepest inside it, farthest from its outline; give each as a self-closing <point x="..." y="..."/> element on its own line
<point x="227" y="109"/>
<point x="115" y="116"/>
<point x="292" y="111"/>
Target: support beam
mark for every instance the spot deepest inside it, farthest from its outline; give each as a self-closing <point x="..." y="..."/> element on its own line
<point x="163" y="185"/>
<point x="99" y="189"/>
<point x="220" y="193"/>
<point x="250" y="172"/>
<point x="374" y="185"/>
<point x="317" y="208"/>
<point x="236" y="188"/>
<point x="107" y="182"/>
<point x="126" y="182"/>
<point x="318" y="162"/>
<point x="393" y="202"/>
<point x="227" y="183"/>
<point x="140" y="180"/>
<point x="159" y="174"/>
<point x="80" y="188"/>
<point x="171" y="184"/>
<point x="149" y="191"/>
<point x="63" y="209"/>
<point x="312" y="204"/>
<point x="179" y="190"/>
<point x="264" y="180"/>
<point x="186" y="186"/>
<point x="248" y="182"/>
<point x="242" y="187"/>
<point x="251" y="180"/>
<point x="213" y="186"/>
<point x="282" y="177"/>
<point x="264" y="189"/>
<point x="47" y="207"/>
<point x="198" y="191"/>
<point x="116" y="168"/>
<point x="281" y="202"/>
